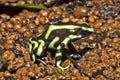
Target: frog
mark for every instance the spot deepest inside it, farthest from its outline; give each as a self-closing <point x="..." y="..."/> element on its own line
<point x="56" y="37"/>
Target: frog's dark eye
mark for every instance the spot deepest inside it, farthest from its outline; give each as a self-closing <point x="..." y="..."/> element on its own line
<point x="75" y="56"/>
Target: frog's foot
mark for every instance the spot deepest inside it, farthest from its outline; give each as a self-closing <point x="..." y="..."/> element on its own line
<point x="59" y="66"/>
<point x="58" y="61"/>
<point x="42" y="60"/>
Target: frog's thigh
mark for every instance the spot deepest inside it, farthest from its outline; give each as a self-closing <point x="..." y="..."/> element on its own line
<point x="52" y="43"/>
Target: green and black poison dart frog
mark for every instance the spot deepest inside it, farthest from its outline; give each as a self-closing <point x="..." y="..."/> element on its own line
<point x="56" y="37"/>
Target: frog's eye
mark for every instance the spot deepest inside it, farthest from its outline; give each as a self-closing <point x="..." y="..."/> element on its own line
<point x="75" y="56"/>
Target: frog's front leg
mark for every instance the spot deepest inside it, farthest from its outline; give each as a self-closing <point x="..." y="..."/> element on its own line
<point x="58" y="55"/>
<point x="60" y="47"/>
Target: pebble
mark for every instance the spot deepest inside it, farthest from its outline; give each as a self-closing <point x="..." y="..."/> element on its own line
<point x="12" y="36"/>
<point x="40" y="29"/>
<point x="27" y="34"/>
<point x="17" y="63"/>
<point x="80" y="11"/>
<point x="91" y="18"/>
<point x="110" y="21"/>
<point x="98" y="23"/>
<point x="10" y="41"/>
<point x="32" y="25"/>
<point x="57" y="10"/>
<point x="43" y="20"/>
<point x="17" y="29"/>
<point x="22" y="29"/>
<point x="8" y="55"/>
<point x="44" y="12"/>
<point x="9" y="25"/>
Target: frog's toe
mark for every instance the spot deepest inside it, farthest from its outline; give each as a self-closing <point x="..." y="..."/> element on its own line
<point x="62" y="68"/>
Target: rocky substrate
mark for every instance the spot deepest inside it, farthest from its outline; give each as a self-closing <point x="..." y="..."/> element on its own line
<point x="100" y="52"/>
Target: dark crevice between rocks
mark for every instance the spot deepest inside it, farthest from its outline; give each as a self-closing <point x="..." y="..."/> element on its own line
<point x="3" y="65"/>
<point x="12" y="10"/>
<point x="99" y="72"/>
<point x="9" y="10"/>
<point x="9" y="78"/>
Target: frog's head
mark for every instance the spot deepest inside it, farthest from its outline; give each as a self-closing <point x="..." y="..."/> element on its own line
<point x="36" y="48"/>
<point x="86" y="29"/>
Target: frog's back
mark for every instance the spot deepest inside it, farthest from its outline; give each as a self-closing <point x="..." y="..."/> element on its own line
<point x="64" y="30"/>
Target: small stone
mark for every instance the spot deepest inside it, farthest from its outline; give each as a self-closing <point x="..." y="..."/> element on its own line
<point x="65" y="20"/>
<point x="40" y="29"/>
<point x="57" y="10"/>
<point x="80" y="11"/>
<point x="9" y="41"/>
<point x="14" y="65"/>
<point x="109" y="21"/>
<point x="12" y="35"/>
<point x="9" y="25"/>
<point x="43" y="20"/>
<point x="25" y="78"/>
<point x="8" y="55"/>
<point x="31" y="74"/>
<point x="44" y="12"/>
<point x="66" y="63"/>
<point x="98" y="24"/>
<point x="9" y="46"/>
<point x="91" y="18"/>
<point x="22" y="29"/>
<point x="32" y="25"/>
<point x="27" y="34"/>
